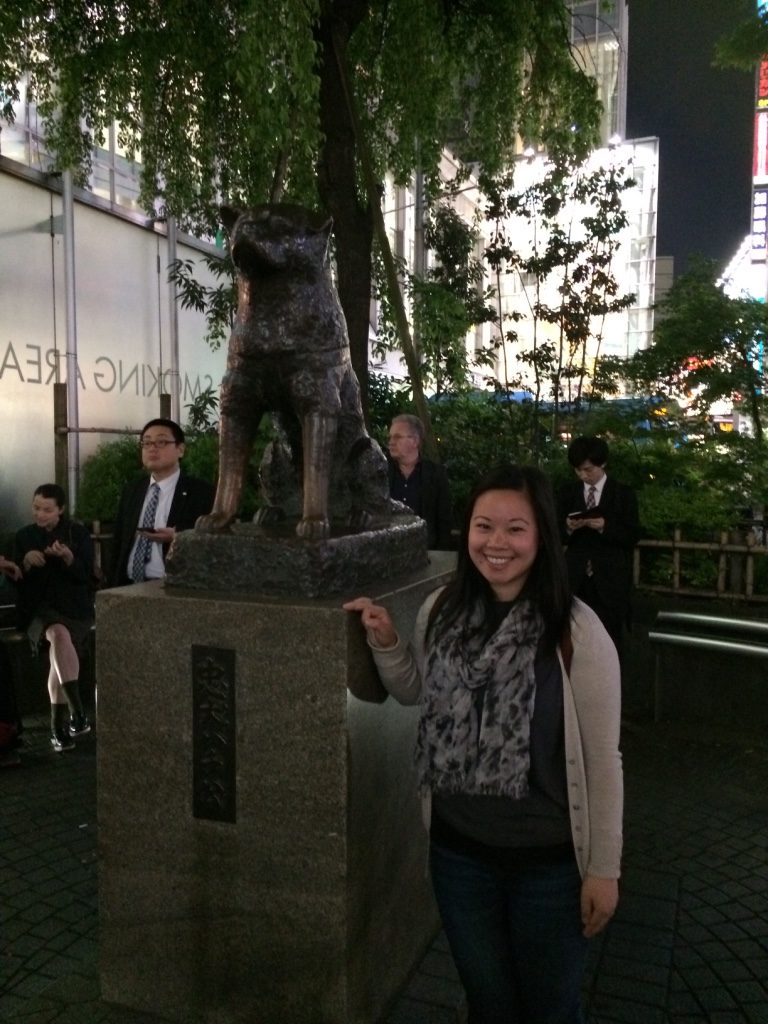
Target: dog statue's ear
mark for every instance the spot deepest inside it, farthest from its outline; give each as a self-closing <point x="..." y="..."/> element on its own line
<point x="318" y="224"/>
<point x="318" y="236"/>
<point x="326" y="228"/>
<point x="229" y="216"/>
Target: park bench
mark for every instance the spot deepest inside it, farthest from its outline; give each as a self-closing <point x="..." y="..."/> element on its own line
<point x="8" y="633"/>
<point x="17" y="646"/>
<point x="746" y="637"/>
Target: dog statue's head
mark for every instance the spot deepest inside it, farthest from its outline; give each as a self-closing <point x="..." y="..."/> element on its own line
<point x="272" y="238"/>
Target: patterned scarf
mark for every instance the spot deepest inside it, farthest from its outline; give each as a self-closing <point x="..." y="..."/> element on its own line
<point x="475" y="723"/>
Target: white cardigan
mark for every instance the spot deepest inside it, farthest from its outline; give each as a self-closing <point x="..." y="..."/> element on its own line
<point x="592" y="713"/>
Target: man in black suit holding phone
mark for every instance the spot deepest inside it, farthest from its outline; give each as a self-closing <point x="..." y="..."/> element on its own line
<point x="600" y="527"/>
<point x="154" y="508"/>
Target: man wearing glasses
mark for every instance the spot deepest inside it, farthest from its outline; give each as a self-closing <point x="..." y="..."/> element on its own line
<point x="154" y="508"/>
<point x="419" y="483"/>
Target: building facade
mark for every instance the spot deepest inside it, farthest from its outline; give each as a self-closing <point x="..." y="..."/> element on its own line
<point x="599" y="42"/>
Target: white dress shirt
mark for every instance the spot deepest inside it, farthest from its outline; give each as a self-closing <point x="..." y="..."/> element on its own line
<point x="155" y="567"/>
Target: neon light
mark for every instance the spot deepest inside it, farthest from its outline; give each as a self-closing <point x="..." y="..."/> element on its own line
<point x="762" y="83"/>
<point x="760" y="154"/>
<point x="759" y="243"/>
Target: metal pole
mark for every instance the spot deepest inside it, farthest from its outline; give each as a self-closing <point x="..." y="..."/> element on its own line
<point x="173" y="316"/>
<point x="60" y="435"/>
<point x="73" y="412"/>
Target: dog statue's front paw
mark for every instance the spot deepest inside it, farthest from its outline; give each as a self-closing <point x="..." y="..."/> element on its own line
<point x="314" y="528"/>
<point x="359" y="519"/>
<point x="214" y="522"/>
<point x="268" y="515"/>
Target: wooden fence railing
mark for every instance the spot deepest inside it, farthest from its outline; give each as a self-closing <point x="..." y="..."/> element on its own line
<point x="738" y="571"/>
<point x="98" y="536"/>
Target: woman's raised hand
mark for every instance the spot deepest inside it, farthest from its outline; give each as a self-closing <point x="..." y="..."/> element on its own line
<point x="376" y="621"/>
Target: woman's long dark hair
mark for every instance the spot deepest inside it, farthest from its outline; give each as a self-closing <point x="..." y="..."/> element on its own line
<point x="547" y="584"/>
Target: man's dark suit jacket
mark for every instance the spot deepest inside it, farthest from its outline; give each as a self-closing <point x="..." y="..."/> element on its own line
<point x="435" y="504"/>
<point x="191" y="499"/>
<point x="609" y="553"/>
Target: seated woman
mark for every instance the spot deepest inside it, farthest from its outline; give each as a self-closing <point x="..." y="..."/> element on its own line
<point x="55" y="604"/>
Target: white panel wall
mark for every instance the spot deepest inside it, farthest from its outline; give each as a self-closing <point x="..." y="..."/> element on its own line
<point x="123" y="333"/>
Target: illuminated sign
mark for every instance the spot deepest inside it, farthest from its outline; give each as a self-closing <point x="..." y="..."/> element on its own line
<point x="760" y="154"/>
<point x="760" y="158"/>
<point x="762" y="84"/>
<point x="759" y="222"/>
<point x="759" y="245"/>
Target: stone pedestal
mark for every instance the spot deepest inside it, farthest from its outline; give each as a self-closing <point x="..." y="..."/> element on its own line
<point x="274" y="562"/>
<point x="262" y="857"/>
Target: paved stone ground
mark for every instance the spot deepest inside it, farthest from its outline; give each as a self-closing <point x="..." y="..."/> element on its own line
<point x="689" y="943"/>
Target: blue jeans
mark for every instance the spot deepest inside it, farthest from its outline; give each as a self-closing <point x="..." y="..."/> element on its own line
<point x="516" y="938"/>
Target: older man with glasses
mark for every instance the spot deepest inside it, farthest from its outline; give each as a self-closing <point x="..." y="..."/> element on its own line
<point x="155" y="507"/>
<point x="419" y="483"/>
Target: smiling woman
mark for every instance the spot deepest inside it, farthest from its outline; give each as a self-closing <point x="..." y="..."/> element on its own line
<point x="518" y="689"/>
<point x="503" y="541"/>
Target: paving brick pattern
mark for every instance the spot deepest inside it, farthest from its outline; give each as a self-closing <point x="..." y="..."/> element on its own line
<point x="689" y="943"/>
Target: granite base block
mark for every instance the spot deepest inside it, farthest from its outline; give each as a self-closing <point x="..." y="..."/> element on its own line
<point x="274" y="561"/>
<point x="312" y="905"/>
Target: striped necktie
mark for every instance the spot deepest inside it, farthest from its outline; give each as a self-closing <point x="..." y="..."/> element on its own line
<point x="591" y="504"/>
<point x="144" y="544"/>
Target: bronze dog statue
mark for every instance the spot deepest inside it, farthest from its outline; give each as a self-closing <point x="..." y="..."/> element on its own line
<point x="289" y="355"/>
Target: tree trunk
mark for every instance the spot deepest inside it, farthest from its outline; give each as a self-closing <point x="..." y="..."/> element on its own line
<point x="339" y="189"/>
<point x="335" y="47"/>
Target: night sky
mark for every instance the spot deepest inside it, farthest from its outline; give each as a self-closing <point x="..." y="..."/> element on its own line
<point x="703" y="118"/>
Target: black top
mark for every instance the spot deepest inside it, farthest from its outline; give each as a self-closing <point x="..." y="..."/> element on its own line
<point x="55" y="585"/>
<point x="426" y="491"/>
